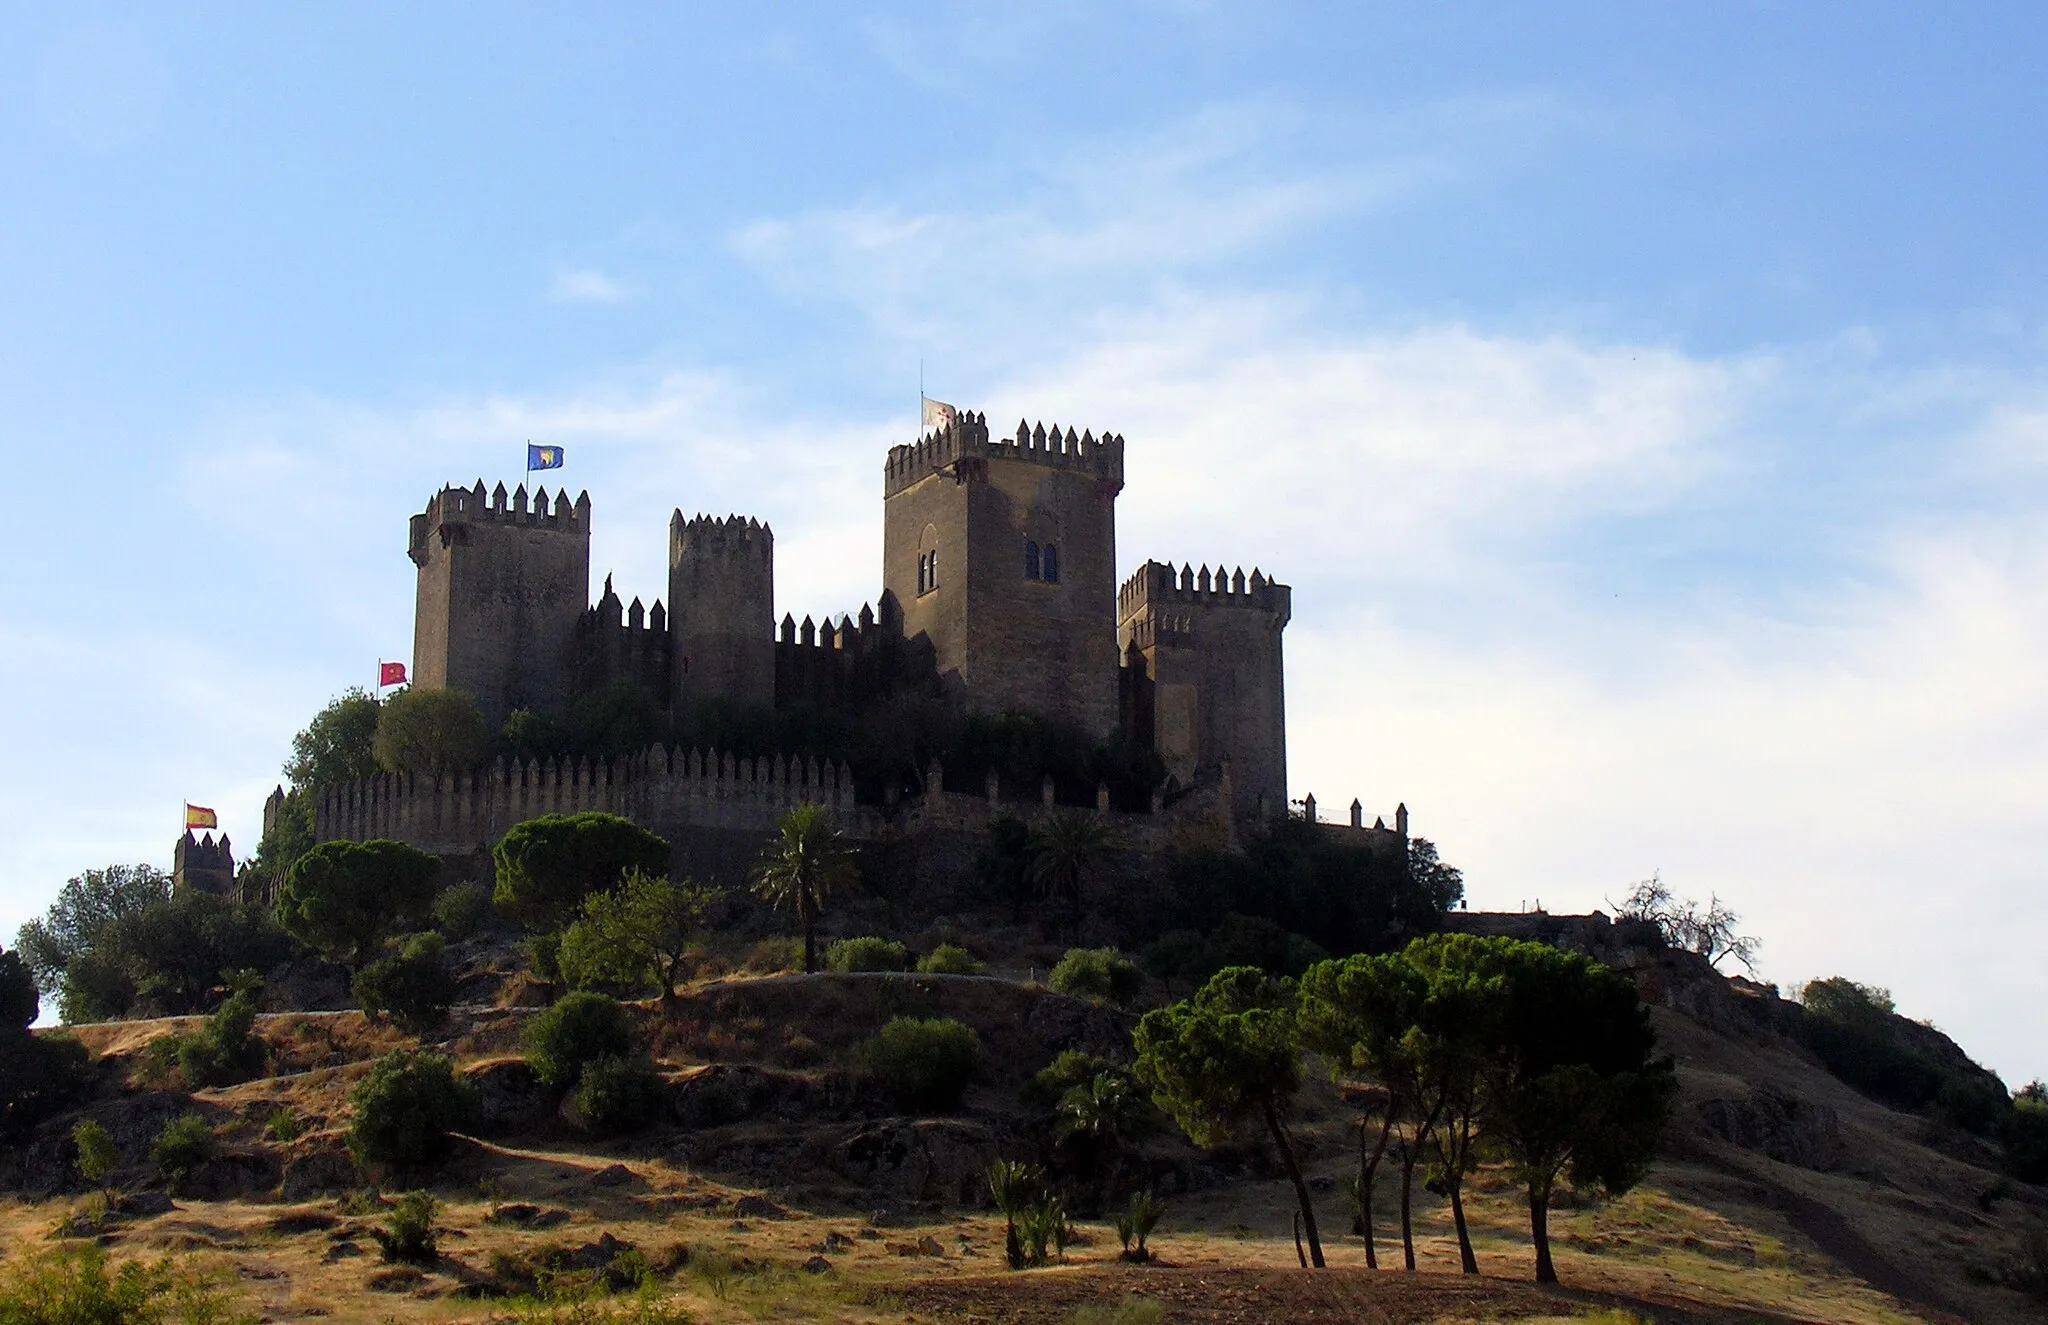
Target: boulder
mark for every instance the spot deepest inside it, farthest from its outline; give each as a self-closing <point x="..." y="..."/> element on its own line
<point x="510" y="1098"/>
<point x="1788" y="1129"/>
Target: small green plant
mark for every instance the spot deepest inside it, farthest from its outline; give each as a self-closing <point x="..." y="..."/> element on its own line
<point x="1136" y="1224"/>
<point x="98" y="1156"/>
<point x="949" y="959"/>
<point x="462" y="909"/>
<point x="412" y="988"/>
<point x="408" y="1233"/>
<point x="74" y="1288"/>
<point x="867" y="953"/>
<point x="618" y="1094"/>
<point x="1102" y="974"/>
<point x="183" y="1145"/>
<point x="925" y="1063"/>
<point x="714" y="1269"/>
<point x="773" y="956"/>
<point x="580" y="1029"/>
<point x="284" y="1126"/>
<point x="406" y="1108"/>
<point x="544" y="956"/>
<point x="1045" y="1230"/>
<point x="1070" y="1069"/>
<point x="1130" y="1311"/>
<point x="226" y="1049"/>
<point x="1013" y="1185"/>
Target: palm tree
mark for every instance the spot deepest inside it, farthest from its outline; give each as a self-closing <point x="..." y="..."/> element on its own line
<point x="1013" y="1185"/>
<point x="1102" y="1111"/>
<point x="802" y="869"/>
<point x="1061" y="853"/>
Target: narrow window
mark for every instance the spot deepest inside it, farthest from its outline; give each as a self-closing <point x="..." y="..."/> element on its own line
<point x="1051" y="563"/>
<point x="1030" y="560"/>
<point x="932" y="575"/>
<point x="922" y="583"/>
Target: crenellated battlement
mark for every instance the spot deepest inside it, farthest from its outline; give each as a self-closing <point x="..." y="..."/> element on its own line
<point x="728" y="536"/>
<point x="1169" y="594"/>
<point x="942" y="450"/>
<point x="453" y="506"/>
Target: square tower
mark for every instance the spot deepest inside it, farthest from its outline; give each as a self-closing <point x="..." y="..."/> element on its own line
<point x="500" y="590"/>
<point x="1003" y="556"/>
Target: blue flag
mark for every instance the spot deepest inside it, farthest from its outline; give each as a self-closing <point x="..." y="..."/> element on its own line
<point x="542" y="457"/>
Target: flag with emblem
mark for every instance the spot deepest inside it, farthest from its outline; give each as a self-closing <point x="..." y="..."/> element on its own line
<point x="542" y="457"/>
<point x="198" y="816"/>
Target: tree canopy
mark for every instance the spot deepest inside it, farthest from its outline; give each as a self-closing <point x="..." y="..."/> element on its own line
<point x="802" y="869"/>
<point x="343" y="899"/>
<point x="431" y="732"/>
<point x="169" y="958"/>
<point x="639" y="932"/>
<point x="85" y="907"/>
<point x="39" y="1075"/>
<point x="336" y="747"/>
<point x="1226" y="1057"/>
<point x="546" y="867"/>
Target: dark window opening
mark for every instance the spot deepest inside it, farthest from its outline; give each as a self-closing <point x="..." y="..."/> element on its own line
<point x="1030" y="560"/>
<point x="1051" y="564"/>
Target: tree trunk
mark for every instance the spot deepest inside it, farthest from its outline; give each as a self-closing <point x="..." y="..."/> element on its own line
<point x="810" y="940"/>
<point x="1456" y="1151"/>
<point x="1308" y="1210"/>
<point x="1466" y="1260"/>
<point x="1368" y="1171"/>
<point x="1409" y="1154"/>
<point x="1539" y="1231"/>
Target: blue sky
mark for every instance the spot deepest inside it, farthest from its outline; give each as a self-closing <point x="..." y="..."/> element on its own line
<point x="1648" y="404"/>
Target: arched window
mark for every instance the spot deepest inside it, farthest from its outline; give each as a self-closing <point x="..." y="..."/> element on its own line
<point x="1050" y="562"/>
<point x="931" y="572"/>
<point x="1030" y="560"/>
<point x="923" y="565"/>
<point x="928" y="560"/>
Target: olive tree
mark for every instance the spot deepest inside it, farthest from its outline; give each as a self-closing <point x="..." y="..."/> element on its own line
<point x="642" y="930"/>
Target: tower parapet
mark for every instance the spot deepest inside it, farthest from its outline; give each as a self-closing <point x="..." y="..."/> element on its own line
<point x="966" y="439"/>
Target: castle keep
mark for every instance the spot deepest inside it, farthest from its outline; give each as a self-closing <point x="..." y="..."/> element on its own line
<point x="999" y="594"/>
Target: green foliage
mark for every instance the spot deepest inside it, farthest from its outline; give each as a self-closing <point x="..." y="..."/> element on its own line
<point x="616" y="1094"/>
<point x="544" y="955"/>
<point x="284" y="1125"/>
<point x="338" y="745"/>
<point x="167" y="958"/>
<point x="1071" y="1068"/>
<point x="1014" y="1186"/>
<point x="462" y="909"/>
<point x="531" y="734"/>
<point x="413" y="987"/>
<point x="868" y="953"/>
<point x="1237" y="941"/>
<point x="582" y="1028"/>
<point x="949" y="959"/>
<point x="2024" y="1134"/>
<point x="548" y="866"/>
<point x="406" y="1108"/>
<point x="1062" y="852"/>
<point x="1435" y="883"/>
<point x="1097" y="973"/>
<point x="640" y="932"/>
<point x="286" y="837"/>
<point x="1045" y="1230"/>
<point x="343" y="899"/>
<point x="1003" y="865"/>
<point x="85" y="907"/>
<point x="1135" y="1225"/>
<point x="226" y="1049"/>
<point x="1859" y="1036"/>
<point x="802" y="870"/>
<point x="408" y="1233"/>
<point x="74" y="1288"/>
<point x="621" y="718"/>
<point x="98" y="1156"/>
<point x="185" y="1143"/>
<point x="1226" y="1056"/>
<point x="924" y="1064"/>
<point x="431" y="732"/>
<point x="39" y="1075"/>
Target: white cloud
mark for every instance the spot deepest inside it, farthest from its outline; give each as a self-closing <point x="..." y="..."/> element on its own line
<point x="586" y="285"/>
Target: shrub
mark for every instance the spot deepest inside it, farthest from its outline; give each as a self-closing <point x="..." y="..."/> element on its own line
<point x="773" y="956"/>
<point x="580" y="1029"/>
<point x="284" y="1126"/>
<point x="406" y="1107"/>
<point x="1045" y="1230"/>
<point x="408" y="1233"/>
<point x="618" y="1094"/>
<point x="1136" y="1224"/>
<point x="2024" y="1134"/>
<point x="925" y="1064"/>
<point x="431" y="732"/>
<point x="75" y="1289"/>
<point x="184" y="1144"/>
<point x="462" y="909"/>
<point x="1070" y="1069"/>
<point x="226" y="1048"/>
<point x="949" y="959"/>
<point x="866" y="954"/>
<point x="98" y="1156"/>
<point x="544" y="956"/>
<point x="1097" y="973"/>
<point x="412" y="988"/>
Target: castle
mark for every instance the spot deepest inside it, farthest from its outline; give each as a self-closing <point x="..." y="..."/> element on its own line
<point x="998" y="593"/>
<point x="998" y="579"/>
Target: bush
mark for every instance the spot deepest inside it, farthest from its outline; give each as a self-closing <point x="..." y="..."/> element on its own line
<point x="866" y="954"/>
<point x="618" y="1094"/>
<point x="226" y="1049"/>
<point x="1070" y="1069"/>
<point x="408" y="1233"/>
<point x="949" y="959"/>
<point x="773" y="956"/>
<point x="2024" y="1134"/>
<point x="75" y="1289"/>
<point x="580" y="1029"/>
<point x="462" y="909"/>
<point x="1135" y="1225"/>
<point x="183" y="1145"/>
<point x="430" y="732"/>
<point x="1097" y="973"/>
<point x="925" y="1064"/>
<point x="406" y="1107"/>
<point x="412" y="988"/>
<point x="167" y="958"/>
<point x="98" y="1156"/>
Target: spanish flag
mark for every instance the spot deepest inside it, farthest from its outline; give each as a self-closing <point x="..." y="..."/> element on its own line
<point x="198" y="816"/>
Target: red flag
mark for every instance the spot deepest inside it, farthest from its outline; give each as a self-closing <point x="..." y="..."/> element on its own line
<point x="390" y="674"/>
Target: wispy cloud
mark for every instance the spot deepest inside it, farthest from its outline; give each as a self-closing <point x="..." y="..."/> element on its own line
<point x="587" y="285"/>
